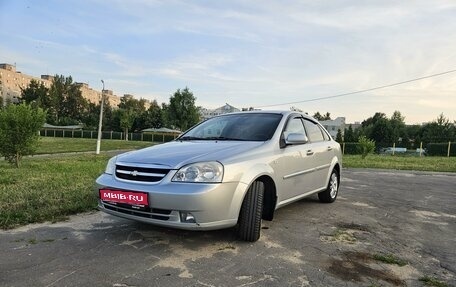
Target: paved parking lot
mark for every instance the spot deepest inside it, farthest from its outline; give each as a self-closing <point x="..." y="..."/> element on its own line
<point x="409" y="214"/>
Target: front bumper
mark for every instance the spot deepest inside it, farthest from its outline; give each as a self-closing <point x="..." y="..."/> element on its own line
<point x="213" y="206"/>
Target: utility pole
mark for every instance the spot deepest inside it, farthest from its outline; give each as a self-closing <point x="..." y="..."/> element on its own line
<point x="101" y="119"/>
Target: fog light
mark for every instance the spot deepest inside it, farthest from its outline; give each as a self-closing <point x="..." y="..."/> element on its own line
<point x="187" y="217"/>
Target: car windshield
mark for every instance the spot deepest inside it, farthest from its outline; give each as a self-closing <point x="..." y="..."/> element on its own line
<point x="236" y="127"/>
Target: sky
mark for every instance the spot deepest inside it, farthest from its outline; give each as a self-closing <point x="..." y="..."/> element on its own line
<point x="246" y="53"/>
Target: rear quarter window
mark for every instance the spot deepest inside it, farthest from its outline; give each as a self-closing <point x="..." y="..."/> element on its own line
<point x="314" y="132"/>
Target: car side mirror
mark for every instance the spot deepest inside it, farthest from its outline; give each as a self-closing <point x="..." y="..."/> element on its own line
<point x="296" y="138"/>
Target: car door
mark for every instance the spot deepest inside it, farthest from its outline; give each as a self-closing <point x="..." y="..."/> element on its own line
<point x="319" y="152"/>
<point x="294" y="170"/>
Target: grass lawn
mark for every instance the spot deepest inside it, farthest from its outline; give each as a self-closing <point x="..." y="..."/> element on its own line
<point x="45" y="189"/>
<point x="64" y="145"/>
<point x="51" y="188"/>
<point x="442" y="164"/>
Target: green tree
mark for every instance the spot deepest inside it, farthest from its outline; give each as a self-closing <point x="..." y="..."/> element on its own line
<point x="91" y="116"/>
<point x="108" y="116"/>
<point x="372" y="120"/>
<point x="365" y="146"/>
<point x="128" y="102"/>
<point x="66" y="103"/>
<point x="19" y="131"/>
<point x="35" y="93"/>
<point x="339" y="136"/>
<point x="127" y="118"/>
<point x="349" y="136"/>
<point x="412" y="135"/>
<point x="136" y="109"/>
<point x="181" y="112"/>
<point x="321" y="117"/>
<point x="165" y="121"/>
<point x="379" y="129"/>
<point x="397" y="122"/>
<point x="440" y="130"/>
<point x="1" y="93"/>
<point x="152" y="118"/>
<point x="382" y="132"/>
<point x="317" y="116"/>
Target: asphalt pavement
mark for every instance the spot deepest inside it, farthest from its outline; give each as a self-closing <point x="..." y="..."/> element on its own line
<point x="411" y="215"/>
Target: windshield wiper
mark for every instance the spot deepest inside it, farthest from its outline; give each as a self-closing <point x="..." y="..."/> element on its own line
<point x="189" y="138"/>
<point x="225" y="139"/>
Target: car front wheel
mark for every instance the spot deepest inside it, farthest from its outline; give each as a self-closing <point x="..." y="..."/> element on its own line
<point x="249" y="223"/>
<point x="330" y="194"/>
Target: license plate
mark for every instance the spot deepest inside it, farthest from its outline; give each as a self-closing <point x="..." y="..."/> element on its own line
<point x="128" y="197"/>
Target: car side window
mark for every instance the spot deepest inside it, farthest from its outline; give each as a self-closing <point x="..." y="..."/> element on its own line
<point x="294" y="125"/>
<point x="326" y="136"/>
<point x="314" y="133"/>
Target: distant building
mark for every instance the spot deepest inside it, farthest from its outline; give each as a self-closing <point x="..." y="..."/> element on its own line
<point x="12" y="81"/>
<point x="249" y="109"/>
<point x="333" y="126"/>
<point x="47" y="77"/>
<point x="209" y="113"/>
<point x="355" y="125"/>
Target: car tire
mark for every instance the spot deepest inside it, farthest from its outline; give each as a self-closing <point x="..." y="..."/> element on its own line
<point x="330" y="194"/>
<point x="249" y="222"/>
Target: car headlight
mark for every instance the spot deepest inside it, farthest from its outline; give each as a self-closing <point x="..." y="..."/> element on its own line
<point x="111" y="166"/>
<point x="209" y="172"/>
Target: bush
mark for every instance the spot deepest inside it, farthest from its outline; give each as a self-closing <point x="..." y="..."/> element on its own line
<point x="19" y="131"/>
<point x="351" y="148"/>
<point x="366" y="146"/>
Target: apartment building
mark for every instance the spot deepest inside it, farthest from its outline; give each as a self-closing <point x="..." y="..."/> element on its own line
<point x="209" y="113"/>
<point x="11" y="82"/>
<point x="333" y="126"/>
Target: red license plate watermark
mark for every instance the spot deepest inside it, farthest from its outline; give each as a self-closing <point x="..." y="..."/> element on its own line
<point x="128" y="197"/>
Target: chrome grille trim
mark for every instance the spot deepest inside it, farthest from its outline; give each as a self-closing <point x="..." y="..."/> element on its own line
<point x="141" y="173"/>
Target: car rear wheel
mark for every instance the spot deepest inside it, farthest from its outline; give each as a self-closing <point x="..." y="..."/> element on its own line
<point x="330" y="194"/>
<point x="249" y="223"/>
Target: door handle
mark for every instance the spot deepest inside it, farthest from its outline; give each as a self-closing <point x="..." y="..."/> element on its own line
<point x="330" y="148"/>
<point x="310" y="152"/>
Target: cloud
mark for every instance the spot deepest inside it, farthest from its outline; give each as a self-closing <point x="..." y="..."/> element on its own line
<point x="196" y="66"/>
<point x="248" y="52"/>
<point x="437" y="103"/>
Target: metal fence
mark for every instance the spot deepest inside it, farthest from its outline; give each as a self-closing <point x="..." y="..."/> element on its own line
<point x="447" y="149"/>
<point x="150" y="137"/>
<point x="431" y="149"/>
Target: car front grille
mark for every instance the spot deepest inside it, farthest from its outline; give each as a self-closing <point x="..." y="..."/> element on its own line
<point x="145" y="174"/>
<point x="154" y="213"/>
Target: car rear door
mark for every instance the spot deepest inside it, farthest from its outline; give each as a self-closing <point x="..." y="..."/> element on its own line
<point x="320" y="152"/>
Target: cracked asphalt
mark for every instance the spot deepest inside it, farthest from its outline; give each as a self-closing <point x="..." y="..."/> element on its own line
<point x="411" y="215"/>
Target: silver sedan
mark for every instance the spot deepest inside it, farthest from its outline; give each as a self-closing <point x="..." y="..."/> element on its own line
<point x="231" y="170"/>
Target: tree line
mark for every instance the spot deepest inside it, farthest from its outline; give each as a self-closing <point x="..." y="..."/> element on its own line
<point x="385" y="131"/>
<point x="65" y="105"/>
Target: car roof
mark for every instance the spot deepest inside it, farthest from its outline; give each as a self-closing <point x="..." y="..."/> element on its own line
<point x="282" y="112"/>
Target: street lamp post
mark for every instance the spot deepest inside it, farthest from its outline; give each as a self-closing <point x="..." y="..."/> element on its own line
<point x="101" y="119"/>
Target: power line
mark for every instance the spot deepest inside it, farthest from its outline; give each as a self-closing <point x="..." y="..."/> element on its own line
<point x="360" y="91"/>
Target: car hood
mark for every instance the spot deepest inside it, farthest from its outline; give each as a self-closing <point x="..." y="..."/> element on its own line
<point x="177" y="154"/>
